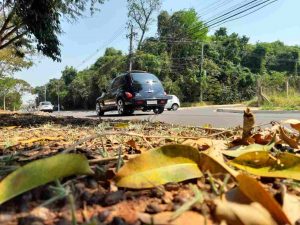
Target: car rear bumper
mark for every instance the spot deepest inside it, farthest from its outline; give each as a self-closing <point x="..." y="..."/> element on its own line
<point x="147" y="103"/>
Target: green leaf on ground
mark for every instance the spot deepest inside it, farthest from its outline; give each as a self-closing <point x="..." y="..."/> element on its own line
<point x="246" y="149"/>
<point x="170" y="163"/>
<point x="283" y="165"/>
<point x="40" y="172"/>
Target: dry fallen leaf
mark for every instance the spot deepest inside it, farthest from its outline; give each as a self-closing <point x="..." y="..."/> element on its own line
<point x="246" y="149"/>
<point x="254" y="191"/>
<point x="164" y="218"/>
<point x="203" y="144"/>
<point x="293" y="123"/>
<point x="243" y="214"/>
<point x="290" y="141"/>
<point x="170" y="163"/>
<point x="290" y="205"/>
<point x="283" y="165"/>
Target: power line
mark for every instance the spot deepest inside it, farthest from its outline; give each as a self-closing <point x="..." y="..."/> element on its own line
<point x="229" y="17"/>
<point x="213" y="8"/>
<point x="115" y="35"/>
<point x="231" y="11"/>
<point x="253" y="11"/>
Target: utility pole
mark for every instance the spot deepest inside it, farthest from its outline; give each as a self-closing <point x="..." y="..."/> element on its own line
<point x="201" y="69"/>
<point x="58" y="105"/>
<point x="45" y="92"/>
<point x="130" y="47"/>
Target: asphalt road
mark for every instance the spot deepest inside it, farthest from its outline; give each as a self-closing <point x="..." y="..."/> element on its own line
<point x="190" y="116"/>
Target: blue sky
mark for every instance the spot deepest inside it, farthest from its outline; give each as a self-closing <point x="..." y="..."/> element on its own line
<point x="88" y="38"/>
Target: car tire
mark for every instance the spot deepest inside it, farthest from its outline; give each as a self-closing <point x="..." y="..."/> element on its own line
<point x="159" y="110"/>
<point x="99" y="111"/>
<point x="175" y="107"/>
<point x="121" y="107"/>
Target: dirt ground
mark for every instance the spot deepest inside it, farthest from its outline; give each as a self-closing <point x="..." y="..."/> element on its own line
<point x="96" y="199"/>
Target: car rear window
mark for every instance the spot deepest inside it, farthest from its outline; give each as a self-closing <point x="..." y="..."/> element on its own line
<point x="145" y="80"/>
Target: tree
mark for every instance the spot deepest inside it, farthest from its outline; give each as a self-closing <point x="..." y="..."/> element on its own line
<point x="36" y="22"/>
<point x="68" y="75"/>
<point x="11" y="61"/>
<point x="11" y="86"/>
<point x="140" y="14"/>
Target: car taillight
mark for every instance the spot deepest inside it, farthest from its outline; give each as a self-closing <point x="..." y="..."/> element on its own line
<point x="139" y="102"/>
<point x="162" y="101"/>
<point x="128" y="95"/>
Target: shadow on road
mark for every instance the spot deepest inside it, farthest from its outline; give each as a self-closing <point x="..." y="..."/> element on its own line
<point x="117" y="115"/>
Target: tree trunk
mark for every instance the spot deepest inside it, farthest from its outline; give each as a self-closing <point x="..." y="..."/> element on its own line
<point x="4" y="106"/>
<point x="141" y="39"/>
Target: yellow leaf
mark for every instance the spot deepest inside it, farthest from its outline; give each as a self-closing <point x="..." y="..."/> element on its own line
<point x="254" y="191"/>
<point x="121" y="125"/>
<point x="170" y="163"/>
<point x="40" y="172"/>
<point x="215" y="165"/>
<point x="250" y="148"/>
<point x="284" y="165"/>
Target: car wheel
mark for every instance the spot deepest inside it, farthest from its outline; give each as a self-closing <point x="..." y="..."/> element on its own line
<point x="99" y="111"/>
<point x="121" y="107"/>
<point x="175" y="107"/>
<point x="159" y="110"/>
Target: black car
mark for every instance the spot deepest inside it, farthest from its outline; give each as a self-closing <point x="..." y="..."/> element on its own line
<point x="136" y="90"/>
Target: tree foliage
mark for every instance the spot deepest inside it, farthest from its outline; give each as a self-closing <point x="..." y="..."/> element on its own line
<point x="28" y="23"/>
<point x="11" y="91"/>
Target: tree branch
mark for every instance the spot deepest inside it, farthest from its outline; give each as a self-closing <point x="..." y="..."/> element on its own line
<point x="13" y="40"/>
<point x="8" y="34"/>
<point x="7" y="20"/>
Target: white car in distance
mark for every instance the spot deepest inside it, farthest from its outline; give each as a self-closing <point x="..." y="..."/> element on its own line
<point x="173" y="103"/>
<point x="46" y="107"/>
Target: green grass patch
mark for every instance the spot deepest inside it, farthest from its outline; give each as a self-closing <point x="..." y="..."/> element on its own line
<point x="279" y="102"/>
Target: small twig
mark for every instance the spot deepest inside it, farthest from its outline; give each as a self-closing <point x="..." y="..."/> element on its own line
<point x="212" y="182"/>
<point x="219" y="133"/>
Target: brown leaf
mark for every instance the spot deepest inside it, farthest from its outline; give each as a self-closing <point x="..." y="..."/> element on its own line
<point x="291" y="205"/>
<point x="243" y="214"/>
<point x="291" y="142"/>
<point x="254" y="191"/>
<point x="294" y="123"/>
<point x="131" y="143"/>
<point x="189" y="217"/>
<point x="215" y="164"/>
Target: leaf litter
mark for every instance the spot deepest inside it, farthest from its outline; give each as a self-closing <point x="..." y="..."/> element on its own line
<point x="141" y="172"/>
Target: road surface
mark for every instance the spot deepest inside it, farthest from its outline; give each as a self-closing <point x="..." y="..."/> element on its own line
<point x="199" y="116"/>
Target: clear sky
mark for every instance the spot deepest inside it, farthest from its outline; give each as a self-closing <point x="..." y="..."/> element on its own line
<point x="84" y="41"/>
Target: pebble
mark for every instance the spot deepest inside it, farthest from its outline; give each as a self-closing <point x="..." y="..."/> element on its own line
<point x="113" y="198"/>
